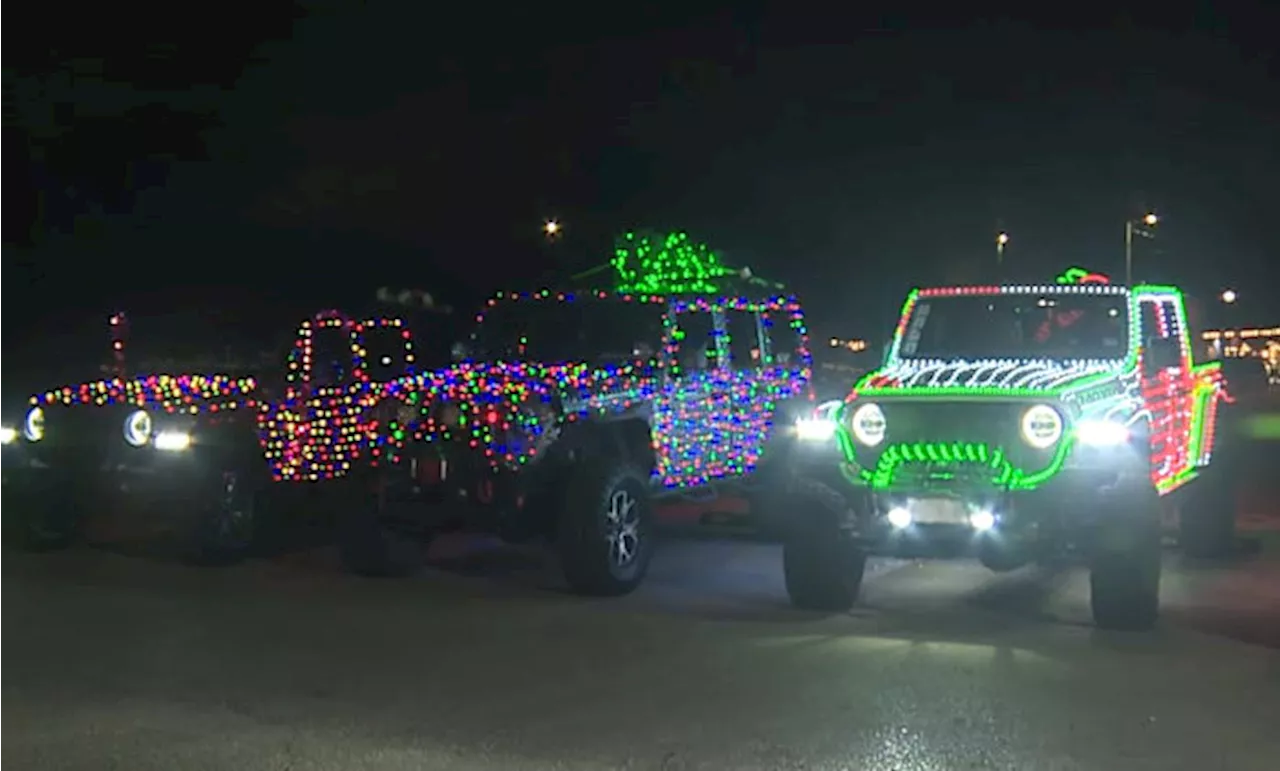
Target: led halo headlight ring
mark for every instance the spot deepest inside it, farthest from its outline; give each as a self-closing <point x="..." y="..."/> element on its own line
<point x="33" y="425"/>
<point x="868" y="424"/>
<point x="137" y="428"/>
<point x="1041" y="426"/>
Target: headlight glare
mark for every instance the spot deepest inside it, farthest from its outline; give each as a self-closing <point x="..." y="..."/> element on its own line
<point x="172" y="441"/>
<point x="1102" y="433"/>
<point x="868" y="424"/>
<point x="815" y="429"/>
<point x="8" y="435"/>
<point x="1041" y="426"/>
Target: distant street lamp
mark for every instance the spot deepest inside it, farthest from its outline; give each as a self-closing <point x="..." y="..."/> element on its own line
<point x="551" y="228"/>
<point x="1141" y="228"/>
<point x="1229" y="296"/>
<point x="1002" y="239"/>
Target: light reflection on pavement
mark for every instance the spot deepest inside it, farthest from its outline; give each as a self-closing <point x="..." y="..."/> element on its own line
<point x="483" y="663"/>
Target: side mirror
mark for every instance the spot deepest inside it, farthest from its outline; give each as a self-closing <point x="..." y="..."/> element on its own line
<point x="1161" y="353"/>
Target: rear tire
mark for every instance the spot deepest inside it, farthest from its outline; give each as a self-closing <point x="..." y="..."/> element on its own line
<point x="1207" y="512"/>
<point x="605" y="534"/>
<point x="37" y="525"/>
<point x="372" y="543"/>
<point x="822" y="564"/>
<point x="1124" y="578"/>
<point x="227" y="523"/>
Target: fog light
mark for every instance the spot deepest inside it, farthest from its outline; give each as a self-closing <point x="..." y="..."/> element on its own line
<point x="8" y="435"/>
<point x="899" y="517"/>
<point x="982" y="520"/>
<point x="172" y="441"/>
<point x="815" y="429"/>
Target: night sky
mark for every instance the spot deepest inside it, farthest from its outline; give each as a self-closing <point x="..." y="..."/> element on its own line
<point x="295" y="156"/>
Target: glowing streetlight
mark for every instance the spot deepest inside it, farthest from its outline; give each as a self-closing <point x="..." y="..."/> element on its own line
<point x="1139" y="227"/>
<point x="551" y="228"/>
<point x="1002" y="239"/>
<point x="1229" y="296"/>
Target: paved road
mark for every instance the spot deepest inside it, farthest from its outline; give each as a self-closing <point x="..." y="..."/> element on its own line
<point x="119" y="662"/>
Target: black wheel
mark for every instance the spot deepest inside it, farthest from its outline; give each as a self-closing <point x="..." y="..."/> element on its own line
<point x="822" y="564"/>
<point x="1207" y="511"/>
<point x="373" y="541"/>
<point x="767" y="491"/>
<point x="227" y="523"/>
<point x="1124" y="578"/>
<point x="48" y="527"/>
<point x="38" y="523"/>
<point x="605" y="535"/>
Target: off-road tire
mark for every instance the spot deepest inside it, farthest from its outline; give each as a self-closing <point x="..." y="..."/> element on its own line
<point x="39" y="522"/>
<point x="822" y="564"/>
<point x="587" y="537"/>
<point x="1124" y="577"/>
<point x="46" y="527"/>
<point x="227" y="520"/>
<point x="1207" y="512"/>
<point x="371" y="543"/>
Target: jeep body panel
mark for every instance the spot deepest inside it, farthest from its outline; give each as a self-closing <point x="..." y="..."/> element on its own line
<point x="694" y="425"/>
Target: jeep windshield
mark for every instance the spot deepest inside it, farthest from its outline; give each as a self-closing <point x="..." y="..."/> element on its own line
<point x="589" y="330"/>
<point x="1018" y="326"/>
<point x="206" y="339"/>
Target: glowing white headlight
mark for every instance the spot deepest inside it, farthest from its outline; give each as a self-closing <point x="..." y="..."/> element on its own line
<point x="1041" y="426"/>
<point x="8" y="435"/>
<point x="899" y="517"/>
<point x="1102" y="433"/>
<point x="868" y="424"/>
<point x="172" y="441"/>
<point x="33" y="425"/>
<point x="137" y="428"/>
<point x="815" y="429"/>
<point x="982" y="520"/>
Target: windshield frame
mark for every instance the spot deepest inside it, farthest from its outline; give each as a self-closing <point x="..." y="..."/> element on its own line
<point x="919" y="296"/>
<point x="481" y="350"/>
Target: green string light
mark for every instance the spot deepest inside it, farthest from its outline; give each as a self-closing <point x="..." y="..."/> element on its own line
<point x="648" y="263"/>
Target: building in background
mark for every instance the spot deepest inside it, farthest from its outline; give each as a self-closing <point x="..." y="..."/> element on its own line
<point x="1235" y="343"/>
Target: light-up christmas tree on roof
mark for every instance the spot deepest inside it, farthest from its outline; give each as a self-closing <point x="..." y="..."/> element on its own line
<point x="648" y="263"/>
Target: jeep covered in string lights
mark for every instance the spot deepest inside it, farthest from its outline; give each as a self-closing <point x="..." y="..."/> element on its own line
<point x="1013" y="422"/>
<point x="213" y="447"/>
<point x="571" y="411"/>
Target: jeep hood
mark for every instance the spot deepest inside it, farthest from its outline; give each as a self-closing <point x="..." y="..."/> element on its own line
<point x="993" y="373"/>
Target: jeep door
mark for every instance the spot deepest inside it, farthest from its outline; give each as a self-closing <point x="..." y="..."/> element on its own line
<point x="1167" y="388"/>
<point x="692" y="415"/>
<point x="753" y="380"/>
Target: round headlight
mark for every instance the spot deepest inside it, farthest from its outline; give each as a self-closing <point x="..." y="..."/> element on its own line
<point x="137" y="428"/>
<point x="868" y="424"/>
<point x="33" y="425"/>
<point x="1041" y="426"/>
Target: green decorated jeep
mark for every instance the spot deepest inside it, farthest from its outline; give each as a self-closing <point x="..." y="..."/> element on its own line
<point x="1014" y="423"/>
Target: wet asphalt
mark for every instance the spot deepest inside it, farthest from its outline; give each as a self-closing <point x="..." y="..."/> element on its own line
<point x="124" y="661"/>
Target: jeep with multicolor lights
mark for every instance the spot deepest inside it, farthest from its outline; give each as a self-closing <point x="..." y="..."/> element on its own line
<point x="209" y="450"/>
<point x="572" y="411"/>
<point x="1013" y="423"/>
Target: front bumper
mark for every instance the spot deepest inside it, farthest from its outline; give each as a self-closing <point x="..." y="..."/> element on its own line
<point x="955" y="505"/>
